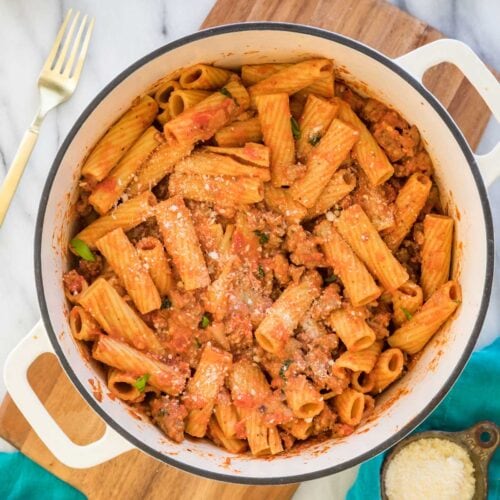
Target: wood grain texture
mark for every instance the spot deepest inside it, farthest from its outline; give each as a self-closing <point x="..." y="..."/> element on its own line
<point x="134" y="474"/>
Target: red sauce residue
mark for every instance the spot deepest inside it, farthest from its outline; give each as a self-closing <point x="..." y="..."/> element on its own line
<point x="96" y="389"/>
<point x="108" y="185"/>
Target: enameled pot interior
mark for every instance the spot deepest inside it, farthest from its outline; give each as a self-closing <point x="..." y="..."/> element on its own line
<point x="407" y="402"/>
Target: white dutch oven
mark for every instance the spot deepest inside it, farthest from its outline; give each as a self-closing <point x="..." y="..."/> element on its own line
<point x="406" y="404"/>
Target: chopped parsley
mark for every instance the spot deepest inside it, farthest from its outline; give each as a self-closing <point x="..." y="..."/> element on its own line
<point x="260" y="272"/>
<point x="82" y="249"/>
<point x="197" y="342"/>
<point x="284" y="368"/>
<point x="204" y="322"/>
<point x="166" y="303"/>
<point x="263" y="237"/>
<point x="330" y="279"/>
<point x="314" y="139"/>
<point x="407" y="313"/>
<point x="295" y="128"/>
<point x="226" y="92"/>
<point x="140" y="383"/>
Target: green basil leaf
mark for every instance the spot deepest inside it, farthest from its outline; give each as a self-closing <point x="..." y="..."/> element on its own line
<point x="140" y="383"/>
<point x="407" y="313"/>
<point x="260" y="273"/>
<point x="314" y="139"/>
<point x="226" y="92"/>
<point x="82" y="249"/>
<point x="284" y="367"/>
<point x="295" y="128"/>
<point x="263" y="237"/>
<point x="330" y="279"/>
<point x="204" y="322"/>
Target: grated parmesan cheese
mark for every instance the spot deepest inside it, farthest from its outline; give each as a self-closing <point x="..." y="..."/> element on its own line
<point x="430" y="468"/>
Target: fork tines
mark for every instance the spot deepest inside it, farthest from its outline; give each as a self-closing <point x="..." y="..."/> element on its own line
<point x="57" y="62"/>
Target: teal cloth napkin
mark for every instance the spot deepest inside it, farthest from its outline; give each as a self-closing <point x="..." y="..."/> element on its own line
<point x="23" y="479"/>
<point x="475" y="396"/>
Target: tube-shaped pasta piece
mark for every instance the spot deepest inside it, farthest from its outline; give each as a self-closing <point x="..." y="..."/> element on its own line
<point x="161" y="162"/>
<point x="249" y="390"/>
<point x="164" y="91"/>
<point x="181" y="242"/>
<point x="117" y="318"/>
<point x="315" y="120"/>
<point x="286" y="312"/>
<point x="406" y="301"/>
<point x="412" y="336"/>
<point x="350" y="406"/>
<point x="409" y="202"/>
<point x="180" y="100"/>
<point x="350" y="325"/>
<point x="108" y="192"/>
<point x="222" y="190"/>
<point x="323" y="161"/>
<point x="293" y="78"/>
<point x="163" y="117"/>
<point x="299" y="428"/>
<point x="126" y="215"/>
<point x="436" y="252"/>
<point x="373" y="201"/>
<point x="370" y="156"/>
<point x="341" y="184"/>
<point x="238" y="133"/>
<point x="274" y="115"/>
<point x="251" y="153"/>
<point x="388" y="368"/>
<point x="231" y="444"/>
<point x="355" y="227"/>
<point x="204" y="386"/>
<point x="172" y="76"/>
<point x="207" y="163"/>
<point x="253" y="73"/>
<point x="217" y="296"/>
<point x="360" y="361"/>
<point x="83" y="326"/>
<point x="200" y="122"/>
<point x="323" y="87"/>
<point x="302" y="398"/>
<point x="125" y="262"/>
<point x="226" y="414"/>
<point x="169" y="378"/>
<point x="279" y="200"/>
<point x="362" y="382"/>
<point x="204" y="76"/>
<point x="358" y="282"/>
<point x="122" y="385"/>
<point x="154" y="258"/>
<point x="119" y="138"/>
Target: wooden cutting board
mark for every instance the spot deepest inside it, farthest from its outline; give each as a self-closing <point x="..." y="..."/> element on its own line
<point x="135" y="475"/>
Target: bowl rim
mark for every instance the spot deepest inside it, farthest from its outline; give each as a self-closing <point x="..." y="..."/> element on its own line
<point x="378" y="57"/>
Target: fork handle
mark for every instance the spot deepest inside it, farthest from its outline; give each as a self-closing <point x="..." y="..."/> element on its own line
<point x="16" y="170"/>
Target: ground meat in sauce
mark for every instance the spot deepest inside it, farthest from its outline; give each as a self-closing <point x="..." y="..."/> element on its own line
<point x="146" y="228"/>
<point x="74" y="283"/>
<point x="303" y="248"/>
<point x="169" y="414"/>
<point x="90" y="270"/>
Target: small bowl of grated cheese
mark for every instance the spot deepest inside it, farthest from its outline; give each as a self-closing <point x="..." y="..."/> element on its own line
<point x="441" y="465"/>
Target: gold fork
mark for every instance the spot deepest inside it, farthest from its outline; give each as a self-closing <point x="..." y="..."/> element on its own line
<point x="57" y="82"/>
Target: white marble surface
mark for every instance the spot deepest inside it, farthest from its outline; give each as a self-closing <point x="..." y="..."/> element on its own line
<point x="126" y="30"/>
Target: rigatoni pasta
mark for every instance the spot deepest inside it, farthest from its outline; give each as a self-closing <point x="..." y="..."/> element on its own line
<point x="119" y="138"/>
<point x="255" y="258"/>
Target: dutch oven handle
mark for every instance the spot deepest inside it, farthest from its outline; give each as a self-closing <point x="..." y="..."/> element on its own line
<point x="418" y="61"/>
<point x="64" y="449"/>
